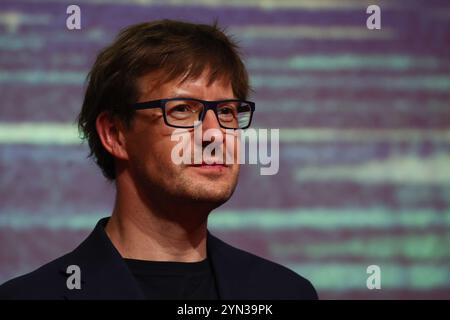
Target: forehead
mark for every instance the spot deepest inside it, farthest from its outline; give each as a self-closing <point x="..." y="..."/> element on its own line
<point x="196" y="88"/>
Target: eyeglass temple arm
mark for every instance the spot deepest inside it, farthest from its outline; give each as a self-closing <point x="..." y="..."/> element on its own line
<point x="147" y="105"/>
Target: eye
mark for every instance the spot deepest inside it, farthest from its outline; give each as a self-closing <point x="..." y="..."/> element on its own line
<point x="226" y="110"/>
<point x="182" y="108"/>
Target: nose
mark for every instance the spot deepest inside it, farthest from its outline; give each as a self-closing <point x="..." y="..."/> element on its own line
<point x="210" y="121"/>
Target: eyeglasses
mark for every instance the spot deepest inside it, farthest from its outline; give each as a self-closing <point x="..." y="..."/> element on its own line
<point x="183" y="112"/>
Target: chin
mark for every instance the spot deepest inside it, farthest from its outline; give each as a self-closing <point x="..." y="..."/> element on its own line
<point x="207" y="189"/>
<point x="212" y="195"/>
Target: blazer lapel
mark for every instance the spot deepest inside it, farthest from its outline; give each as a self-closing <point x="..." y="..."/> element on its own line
<point x="227" y="271"/>
<point x="104" y="274"/>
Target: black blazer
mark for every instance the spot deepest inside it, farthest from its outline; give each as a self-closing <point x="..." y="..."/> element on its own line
<point x="104" y="275"/>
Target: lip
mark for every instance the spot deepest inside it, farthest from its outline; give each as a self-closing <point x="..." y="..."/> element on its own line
<point x="204" y="164"/>
<point x="213" y="168"/>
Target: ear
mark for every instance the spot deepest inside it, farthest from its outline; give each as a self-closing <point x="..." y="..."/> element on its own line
<point x="111" y="133"/>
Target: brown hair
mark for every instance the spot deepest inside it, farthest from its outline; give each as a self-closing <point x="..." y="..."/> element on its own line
<point x="178" y="49"/>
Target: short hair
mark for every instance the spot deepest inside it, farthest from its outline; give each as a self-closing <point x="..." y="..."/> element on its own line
<point x="174" y="48"/>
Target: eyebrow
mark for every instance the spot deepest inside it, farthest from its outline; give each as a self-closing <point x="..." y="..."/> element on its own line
<point x="190" y="96"/>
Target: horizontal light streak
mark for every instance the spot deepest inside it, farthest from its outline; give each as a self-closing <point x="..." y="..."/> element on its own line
<point x="428" y="247"/>
<point x="348" y="61"/>
<point x="260" y="219"/>
<point x="336" y="32"/>
<point x="425" y="83"/>
<point x="407" y="170"/>
<point x="60" y="133"/>
<point x="262" y="4"/>
<point x="353" y="276"/>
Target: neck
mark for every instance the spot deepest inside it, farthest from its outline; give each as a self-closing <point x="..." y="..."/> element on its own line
<point x="144" y="230"/>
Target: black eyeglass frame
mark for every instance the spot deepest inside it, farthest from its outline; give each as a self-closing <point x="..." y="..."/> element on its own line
<point x="208" y="105"/>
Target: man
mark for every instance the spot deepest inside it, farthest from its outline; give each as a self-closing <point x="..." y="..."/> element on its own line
<point x="154" y="79"/>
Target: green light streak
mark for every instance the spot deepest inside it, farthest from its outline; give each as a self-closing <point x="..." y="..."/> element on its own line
<point x="345" y="62"/>
<point x="396" y="169"/>
<point x="428" y="83"/>
<point x="345" y="276"/>
<point x="426" y="248"/>
<point x="39" y="133"/>
<point x="261" y="219"/>
<point x="39" y="77"/>
<point x="47" y="133"/>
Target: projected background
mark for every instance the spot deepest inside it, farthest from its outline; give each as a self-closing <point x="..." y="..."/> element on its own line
<point x="364" y="126"/>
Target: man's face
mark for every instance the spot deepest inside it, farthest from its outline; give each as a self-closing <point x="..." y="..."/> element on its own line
<point x="149" y="146"/>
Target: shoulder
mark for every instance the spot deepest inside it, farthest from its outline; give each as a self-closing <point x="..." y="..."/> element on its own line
<point x="46" y="282"/>
<point x="264" y="275"/>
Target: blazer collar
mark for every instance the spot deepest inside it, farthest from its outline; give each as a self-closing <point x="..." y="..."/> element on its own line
<point x="104" y="274"/>
<point x="227" y="268"/>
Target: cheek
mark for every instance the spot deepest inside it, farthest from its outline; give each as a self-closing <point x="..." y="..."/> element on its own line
<point x="160" y="151"/>
<point x="146" y="148"/>
<point x="232" y="147"/>
<point x="163" y="152"/>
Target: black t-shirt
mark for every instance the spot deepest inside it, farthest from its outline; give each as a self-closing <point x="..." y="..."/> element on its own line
<point x="174" y="280"/>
